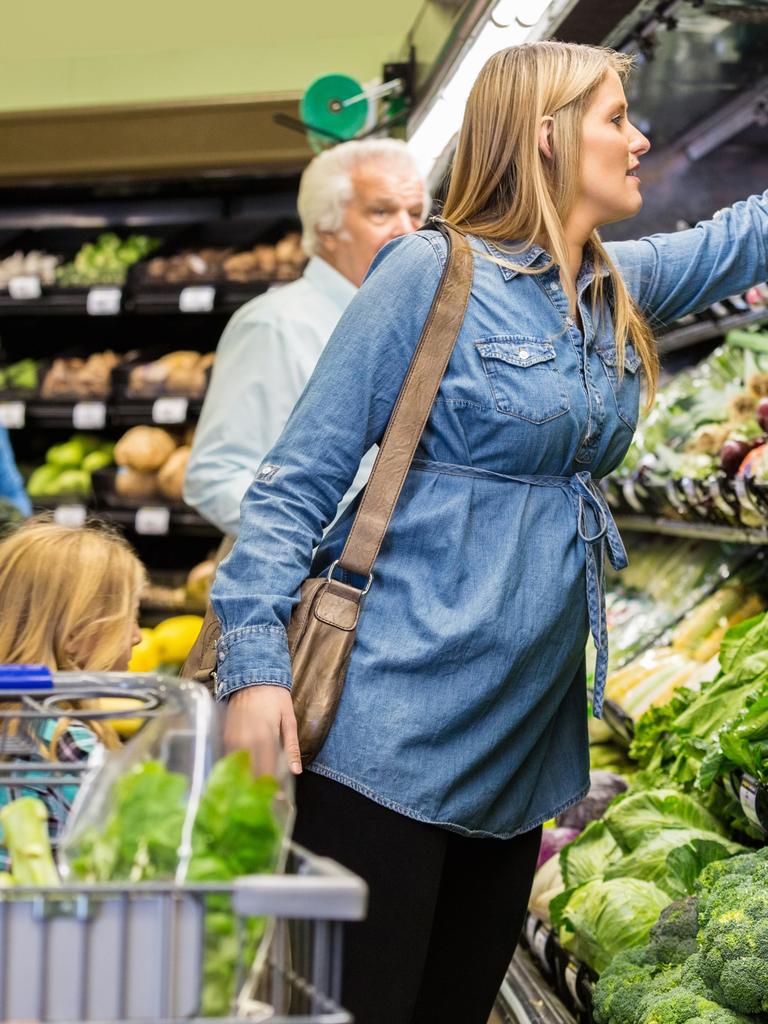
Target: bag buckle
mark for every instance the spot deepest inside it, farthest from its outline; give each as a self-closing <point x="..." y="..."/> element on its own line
<point x="329" y="574"/>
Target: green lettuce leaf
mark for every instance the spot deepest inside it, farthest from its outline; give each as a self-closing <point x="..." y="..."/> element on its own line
<point x="632" y="817"/>
<point x="587" y="857"/>
<point x="602" y="918"/>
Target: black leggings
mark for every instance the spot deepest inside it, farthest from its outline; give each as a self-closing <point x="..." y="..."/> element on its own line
<point x="445" y="911"/>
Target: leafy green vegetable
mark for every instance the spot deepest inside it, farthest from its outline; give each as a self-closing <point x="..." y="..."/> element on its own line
<point x="588" y="855"/>
<point x="234" y="833"/>
<point x="631" y="817"/>
<point x="235" y="830"/>
<point x="600" y="919"/>
<point x="651" y="859"/>
<point x="679" y="744"/>
<point x="706" y="960"/>
<point x="743" y="743"/>
<point x="142" y="834"/>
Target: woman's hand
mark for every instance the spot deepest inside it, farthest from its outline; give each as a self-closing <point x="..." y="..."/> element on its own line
<point x="257" y="718"/>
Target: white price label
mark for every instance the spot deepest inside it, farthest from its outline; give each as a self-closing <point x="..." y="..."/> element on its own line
<point x="89" y="415"/>
<point x="170" y="410"/>
<point x="540" y="944"/>
<point x="25" y="286"/>
<point x="198" y="298"/>
<point x="571" y="974"/>
<point x="153" y="520"/>
<point x="12" y="415"/>
<point x="103" y="301"/>
<point x="748" y="798"/>
<point x="70" y="515"/>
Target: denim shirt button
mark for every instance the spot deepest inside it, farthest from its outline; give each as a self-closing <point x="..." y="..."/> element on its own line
<point x="523" y="353"/>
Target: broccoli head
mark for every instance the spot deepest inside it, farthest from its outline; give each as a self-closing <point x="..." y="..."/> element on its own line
<point x="719" y="1015"/>
<point x="622" y="985"/>
<point x="673" y="937"/>
<point x="733" y="959"/>
<point x="677" y="1006"/>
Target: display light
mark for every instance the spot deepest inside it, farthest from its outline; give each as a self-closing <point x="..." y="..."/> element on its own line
<point x="509" y="23"/>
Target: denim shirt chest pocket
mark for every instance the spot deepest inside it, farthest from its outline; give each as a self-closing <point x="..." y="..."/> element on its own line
<point x="523" y="377"/>
<point x="626" y="391"/>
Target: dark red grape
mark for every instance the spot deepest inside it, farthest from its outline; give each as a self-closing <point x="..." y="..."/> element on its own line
<point x="731" y="455"/>
<point x="762" y="413"/>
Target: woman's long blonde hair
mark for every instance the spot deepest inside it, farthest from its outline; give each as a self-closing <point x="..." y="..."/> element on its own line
<point x="67" y="598"/>
<point x="501" y="188"/>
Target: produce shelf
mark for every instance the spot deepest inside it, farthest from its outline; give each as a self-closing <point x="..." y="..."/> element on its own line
<point x="97" y="413"/>
<point x="153" y="519"/>
<point x="180" y="521"/>
<point x="524" y="997"/>
<point x="227" y="298"/>
<point x="190" y="299"/>
<point x="692" y="334"/>
<point x="131" y="412"/>
<point x="697" y="531"/>
<point x="547" y="980"/>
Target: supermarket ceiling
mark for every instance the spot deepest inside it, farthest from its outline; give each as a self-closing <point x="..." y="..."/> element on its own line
<point x="148" y="87"/>
<point x="87" y="53"/>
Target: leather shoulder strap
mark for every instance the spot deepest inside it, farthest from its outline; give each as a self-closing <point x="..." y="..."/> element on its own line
<point x="413" y="406"/>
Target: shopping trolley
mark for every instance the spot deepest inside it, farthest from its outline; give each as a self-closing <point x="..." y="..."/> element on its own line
<point x="118" y="952"/>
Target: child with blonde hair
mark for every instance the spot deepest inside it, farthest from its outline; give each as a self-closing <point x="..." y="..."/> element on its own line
<point x="69" y="600"/>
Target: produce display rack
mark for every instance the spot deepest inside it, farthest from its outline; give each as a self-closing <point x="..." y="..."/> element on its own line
<point x="695" y="531"/>
<point x="706" y="330"/>
<point x="570" y="980"/>
<point x="522" y="998"/>
<point x="130" y="300"/>
<point x="97" y="413"/>
<point x="142" y="314"/>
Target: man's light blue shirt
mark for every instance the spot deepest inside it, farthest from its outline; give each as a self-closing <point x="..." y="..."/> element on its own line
<point x="264" y="359"/>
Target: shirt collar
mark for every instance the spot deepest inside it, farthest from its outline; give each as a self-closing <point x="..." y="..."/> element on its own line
<point x="528" y="257"/>
<point x="328" y="280"/>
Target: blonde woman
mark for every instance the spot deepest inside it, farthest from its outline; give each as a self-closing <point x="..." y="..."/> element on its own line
<point x="69" y="600"/>
<point x="463" y="722"/>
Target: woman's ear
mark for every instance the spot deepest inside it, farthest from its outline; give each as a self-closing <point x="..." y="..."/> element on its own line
<point x="545" y="137"/>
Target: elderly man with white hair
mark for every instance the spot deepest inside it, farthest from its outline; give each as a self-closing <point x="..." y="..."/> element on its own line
<point x="352" y="199"/>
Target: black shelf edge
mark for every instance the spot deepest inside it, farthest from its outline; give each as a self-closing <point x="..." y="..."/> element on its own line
<point x="58" y="414"/>
<point x="182" y="521"/>
<point x="693" y="334"/>
<point x="698" y="531"/>
<point x="136" y="301"/>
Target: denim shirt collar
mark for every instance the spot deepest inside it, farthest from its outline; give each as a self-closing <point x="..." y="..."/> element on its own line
<point x="328" y="280"/>
<point x="535" y="254"/>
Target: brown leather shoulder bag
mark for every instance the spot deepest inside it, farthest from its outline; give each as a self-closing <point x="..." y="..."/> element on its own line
<point x="321" y="632"/>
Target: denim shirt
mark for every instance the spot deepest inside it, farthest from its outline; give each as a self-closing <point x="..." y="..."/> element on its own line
<point x="465" y="699"/>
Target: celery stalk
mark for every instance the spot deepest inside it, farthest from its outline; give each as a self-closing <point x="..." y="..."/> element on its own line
<point x="25" y="825"/>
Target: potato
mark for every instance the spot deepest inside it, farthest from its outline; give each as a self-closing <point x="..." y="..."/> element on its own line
<point x="129" y="483"/>
<point x="144" y="448"/>
<point x="171" y="475"/>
